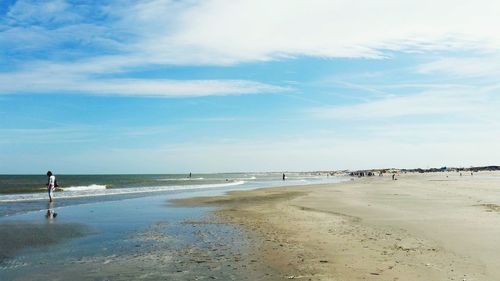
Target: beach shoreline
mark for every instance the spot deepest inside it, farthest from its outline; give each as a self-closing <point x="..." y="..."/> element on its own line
<point x="436" y="226"/>
<point x="139" y="238"/>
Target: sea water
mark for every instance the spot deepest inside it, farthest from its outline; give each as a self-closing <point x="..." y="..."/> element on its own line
<point x="22" y="193"/>
<point x="119" y="212"/>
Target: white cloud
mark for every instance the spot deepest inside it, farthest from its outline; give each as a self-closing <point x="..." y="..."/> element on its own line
<point x="221" y="32"/>
<point x="454" y="126"/>
<point x="227" y="32"/>
<point x="458" y="102"/>
<point x="463" y="66"/>
<point x="459" y="119"/>
<point x="234" y="31"/>
<point x="70" y="84"/>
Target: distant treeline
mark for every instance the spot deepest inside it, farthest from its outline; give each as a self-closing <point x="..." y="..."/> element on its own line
<point x="373" y="172"/>
<point x="454" y="169"/>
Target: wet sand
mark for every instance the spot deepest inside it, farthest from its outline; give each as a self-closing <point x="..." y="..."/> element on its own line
<point x="208" y="251"/>
<point x="135" y="239"/>
<point x="420" y="227"/>
<point x="17" y="236"/>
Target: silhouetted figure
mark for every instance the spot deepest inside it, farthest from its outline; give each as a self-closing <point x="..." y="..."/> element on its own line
<point x="284" y="176"/>
<point x="393" y="176"/>
<point x="189" y="175"/>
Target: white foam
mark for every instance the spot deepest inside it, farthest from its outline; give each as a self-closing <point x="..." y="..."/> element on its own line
<point x="76" y="193"/>
<point x="83" y="188"/>
<point x="181" y="179"/>
<point x="247" y="178"/>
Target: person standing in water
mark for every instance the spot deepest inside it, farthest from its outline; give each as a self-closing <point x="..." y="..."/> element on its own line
<point x="283" y="176"/>
<point x="51" y="185"/>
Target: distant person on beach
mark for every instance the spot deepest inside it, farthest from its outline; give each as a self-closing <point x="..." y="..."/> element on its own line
<point x="284" y="176"/>
<point x="189" y="175"/>
<point x="393" y="176"/>
<point x="51" y="185"/>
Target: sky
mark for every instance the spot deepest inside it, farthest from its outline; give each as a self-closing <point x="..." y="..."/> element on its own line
<point x="173" y="86"/>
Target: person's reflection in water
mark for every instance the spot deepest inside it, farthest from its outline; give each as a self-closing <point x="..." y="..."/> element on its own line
<point x="51" y="214"/>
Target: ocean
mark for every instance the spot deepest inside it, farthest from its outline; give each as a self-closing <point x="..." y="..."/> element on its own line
<point x="22" y="193"/>
<point x="122" y="227"/>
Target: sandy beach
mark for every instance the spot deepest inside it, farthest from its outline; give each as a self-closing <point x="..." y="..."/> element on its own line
<point x="437" y="226"/>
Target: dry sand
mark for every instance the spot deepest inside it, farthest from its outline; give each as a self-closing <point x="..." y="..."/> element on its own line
<point x="421" y="227"/>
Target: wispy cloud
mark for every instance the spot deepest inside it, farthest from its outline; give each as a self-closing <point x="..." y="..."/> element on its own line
<point x="472" y="103"/>
<point x="226" y="32"/>
<point x="44" y="135"/>
<point x="77" y="133"/>
<point x="75" y="84"/>
<point x="263" y="30"/>
<point x="425" y="88"/>
<point x="30" y="27"/>
<point x="299" y="154"/>
<point x="74" y="44"/>
<point x="463" y="66"/>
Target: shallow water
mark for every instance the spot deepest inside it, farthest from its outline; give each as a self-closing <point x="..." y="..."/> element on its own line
<point x="131" y="237"/>
<point x="122" y="233"/>
<point x="84" y="189"/>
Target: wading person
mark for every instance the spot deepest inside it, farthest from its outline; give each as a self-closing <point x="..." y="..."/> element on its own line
<point x="51" y="185"/>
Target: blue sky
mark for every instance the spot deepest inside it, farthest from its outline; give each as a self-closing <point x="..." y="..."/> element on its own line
<point x="216" y="86"/>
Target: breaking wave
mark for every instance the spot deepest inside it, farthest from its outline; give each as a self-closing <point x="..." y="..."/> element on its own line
<point x="95" y="190"/>
<point x="84" y="188"/>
